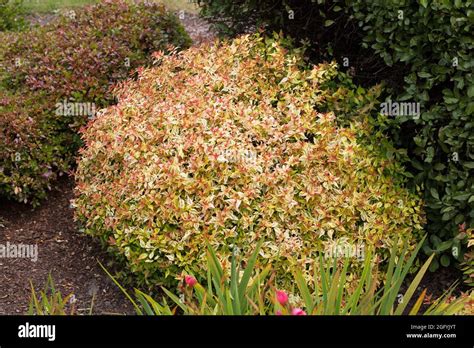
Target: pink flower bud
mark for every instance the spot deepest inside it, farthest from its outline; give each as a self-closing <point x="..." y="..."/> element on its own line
<point x="298" y="311"/>
<point x="190" y="281"/>
<point x="282" y="297"/>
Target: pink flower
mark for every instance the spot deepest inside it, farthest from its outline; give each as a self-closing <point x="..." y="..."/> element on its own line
<point x="190" y="281"/>
<point x="298" y="311"/>
<point x="282" y="297"/>
<point x="278" y="312"/>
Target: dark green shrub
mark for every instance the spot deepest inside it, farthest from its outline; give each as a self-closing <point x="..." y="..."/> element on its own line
<point x="434" y="39"/>
<point x="11" y="12"/>
<point x="72" y="61"/>
<point x="325" y="24"/>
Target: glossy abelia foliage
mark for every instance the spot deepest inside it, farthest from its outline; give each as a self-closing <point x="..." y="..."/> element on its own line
<point x="223" y="145"/>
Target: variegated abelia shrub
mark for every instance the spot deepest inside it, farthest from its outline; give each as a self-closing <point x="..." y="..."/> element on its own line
<point x="224" y="145"/>
<point x="53" y="79"/>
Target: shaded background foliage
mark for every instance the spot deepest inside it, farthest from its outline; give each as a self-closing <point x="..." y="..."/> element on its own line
<point x="327" y="28"/>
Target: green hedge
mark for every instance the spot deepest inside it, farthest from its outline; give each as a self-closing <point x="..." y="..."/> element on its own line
<point x="434" y="39"/>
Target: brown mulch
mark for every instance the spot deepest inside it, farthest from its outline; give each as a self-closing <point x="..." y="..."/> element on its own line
<point x="68" y="255"/>
<point x="436" y="284"/>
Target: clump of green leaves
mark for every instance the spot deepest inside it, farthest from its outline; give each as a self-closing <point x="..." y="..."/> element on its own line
<point x="250" y="291"/>
<point x="434" y="40"/>
<point x="236" y="290"/>
<point x="11" y="15"/>
<point x="50" y="301"/>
